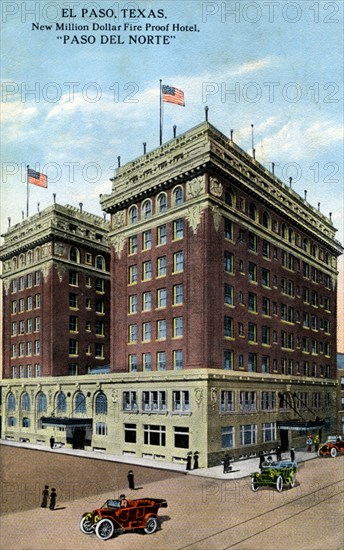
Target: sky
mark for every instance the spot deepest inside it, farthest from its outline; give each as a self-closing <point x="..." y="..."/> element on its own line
<point x="73" y="101"/>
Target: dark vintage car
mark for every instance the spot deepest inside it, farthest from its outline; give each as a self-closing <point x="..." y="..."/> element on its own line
<point x="114" y="518"/>
<point x="277" y="474"/>
<point x="331" y="448"/>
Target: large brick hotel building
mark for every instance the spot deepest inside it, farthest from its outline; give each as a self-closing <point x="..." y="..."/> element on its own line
<point x="222" y="315"/>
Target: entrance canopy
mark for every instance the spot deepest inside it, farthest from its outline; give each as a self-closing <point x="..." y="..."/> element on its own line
<point x="66" y="422"/>
<point x="300" y="425"/>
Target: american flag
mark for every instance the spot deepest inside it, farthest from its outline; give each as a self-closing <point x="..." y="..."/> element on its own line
<point x="173" y="95"/>
<point x="36" y="178"/>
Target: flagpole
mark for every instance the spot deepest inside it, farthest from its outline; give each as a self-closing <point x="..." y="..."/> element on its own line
<point x="27" y="191"/>
<point x="160" y="114"/>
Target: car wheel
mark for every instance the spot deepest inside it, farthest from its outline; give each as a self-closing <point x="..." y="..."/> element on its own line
<point x="279" y="484"/>
<point x="292" y="480"/>
<point x="319" y="453"/>
<point x="333" y="452"/>
<point x="151" y="525"/>
<point x="86" y="526"/>
<point x="105" y="529"/>
<point x="254" y="484"/>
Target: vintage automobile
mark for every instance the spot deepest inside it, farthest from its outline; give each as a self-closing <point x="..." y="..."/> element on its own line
<point x="116" y="517"/>
<point x="331" y="447"/>
<point x="275" y="473"/>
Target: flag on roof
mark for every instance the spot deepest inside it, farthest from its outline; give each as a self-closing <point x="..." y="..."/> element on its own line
<point x="36" y="178"/>
<point x="173" y="95"/>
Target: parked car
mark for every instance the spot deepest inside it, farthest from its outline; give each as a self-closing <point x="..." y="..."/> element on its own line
<point x="331" y="448"/>
<point x="278" y="474"/>
<point x="114" y="518"/>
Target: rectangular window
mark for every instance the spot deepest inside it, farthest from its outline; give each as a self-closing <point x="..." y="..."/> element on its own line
<point x="266" y="249"/>
<point x="228" y="327"/>
<point x="228" y="262"/>
<point x="73" y="301"/>
<point x="22" y="303"/>
<point x="73" y="346"/>
<point x="162" y="266"/>
<point x="181" y="437"/>
<point x="177" y="294"/>
<point x="227" y="437"/>
<point x="37" y="325"/>
<point x="132" y="333"/>
<point x="252" y="272"/>
<point x="14" y="306"/>
<point x="161" y="297"/>
<point x="177" y="327"/>
<point x="177" y="359"/>
<point x="252" y="332"/>
<point x="147" y="270"/>
<point x="130" y="433"/>
<point x="147" y="240"/>
<point x="228" y="229"/>
<point x="133" y="246"/>
<point x="228" y="294"/>
<point x="269" y="431"/>
<point x="161" y="329"/>
<point x="73" y="278"/>
<point x="178" y="228"/>
<point x="99" y="306"/>
<point x="252" y="362"/>
<point x="265" y="277"/>
<point x="228" y="359"/>
<point x="161" y="360"/>
<point x="248" y="400"/>
<point x="22" y="282"/>
<point x="265" y="363"/>
<point x="133" y="303"/>
<point x="265" y="334"/>
<point x="146" y="361"/>
<point x="227" y="401"/>
<point x="180" y="401"/>
<point x="29" y="303"/>
<point x="132" y="362"/>
<point x="248" y="434"/>
<point x="37" y="278"/>
<point x="154" y="435"/>
<point x="133" y="274"/>
<point x="252" y="242"/>
<point x="162" y="235"/>
<point x="146" y="301"/>
<point x="129" y="401"/>
<point x="252" y="302"/>
<point x="146" y="332"/>
<point x="22" y="327"/>
<point x="99" y="350"/>
<point x="29" y="280"/>
<point x="99" y="328"/>
<point x="178" y="262"/>
<point x="154" y="401"/>
<point x="268" y="400"/>
<point x="13" y="329"/>
<point x="73" y="323"/>
<point x="99" y="285"/>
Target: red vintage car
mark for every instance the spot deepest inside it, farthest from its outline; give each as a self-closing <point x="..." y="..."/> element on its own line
<point x="331" y="448"/>
<point x="117" y="516"/>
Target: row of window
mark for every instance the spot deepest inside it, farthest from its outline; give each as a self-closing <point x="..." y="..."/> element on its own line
<point x="160" y="330"/>
<point x="264" y="218"/>
<point x="98" y="325"/>
<point x="160" y="361"/>
<point x="25" y="326"/>
<point x="161" y="268"/>
<point x="26" y="349"/>
<point x="161" y="236"/>
<point x="161" y="204"/>
<point x="74" y="303"/>
<point x="161" y="296"/>
<point x="74" y="279"/>
<point x="73" y="348"/>
<point x="28" y="304"/>
<point x="75" y="256"/>
<point x="270" y="401"/>
<point x="26" y="281"/>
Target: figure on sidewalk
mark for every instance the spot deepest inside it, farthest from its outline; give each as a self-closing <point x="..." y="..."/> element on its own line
<point x="53" y="496"/>
<point x="131" y="482"/>
<point x="226" y="464"/>
<point x="195" y="466"/>
<point x="188" y="461"/>
<point x="52" y="442"/>
<point x="309" y="443"/>
<point x="261" y="459"/>
<point x="316" y="442"/>
<point x="45" y="495"/>
<point x="292" y="454"/>
<point x="278" y="453"/>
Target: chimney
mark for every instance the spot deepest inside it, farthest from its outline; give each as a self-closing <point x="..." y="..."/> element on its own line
<point x="54" y="198"/>
<point x="273" y="168"/>
<point x="206" y="109"/>
<point x="174" y="131"/>
<point x="290" y="181"/>
<point x="232" y="131"/>
<point x="305" y="192"/>
<point x="80" y="206"/>
<point x="118" y="162"/>
<point x="144" y="147"/>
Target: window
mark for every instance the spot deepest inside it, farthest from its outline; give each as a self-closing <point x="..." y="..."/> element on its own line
<point x="178" y="196"/>
<point x="133" y="246"/>
<point x="130" y="433"/>
<point x="161" y="297"/>
<point x="146" y="361"/>
<point x="132" y="362"/>
<point x="248" y="434"/>
<point x="252" y="211"/>
<point x="252" y="332"/>
<point x="80" y="403"/>
<point x="147" y="270"/>
<point x="252" y="302"/>
<point x="177" y="294"/>
<point x="133" y="274"/>
<point x="73" y="301"/>
<point x="11" y="421"/>
<point x="269" y="431"/>
<point x="178" y="226"/>
<point x="146" y="332"/>
<point x="252" y="362"/>
<point x="228" y="197"/>
<point x="162" y="235"/>
<point x="265" y="363"/>
<point x="147" y="240"/>
<point x="37" y="278"/>
<point x="14" y="306"/>
<point x="228" y="229"/>
<point x="133" y="333"/>
<point x="73" y="278"/>
<point x="268" y="400"/>
<point x="99" y="285"/>
<point x="73" y="346"/>
<point x="101" y="428"/>
<point x="228" y="327"/>
<point x="154" y="435"/>
<point x="265" y="335"/>
<point x="146" y="301"/>
<point x="129" y="401"/>
<point x="11" y="402"/>
<point x="265" y="220"/>
<point x="133" y="215"/>
<point x="74" y="254"/>
<point x="266" y="306"/>
<point x="26" y="422"/>
<point x="162" y="202"/>
<point x="101" y="403"/>
<point x="177" y="331"/>
<point x="227" y="437"/>
<point x="228" y="294"/>
<point x="99" y="350"/>
<point x="266" y="249"/>
<point x="88" y="303"/>
<point x="147" y="209"/>
<point x="162" y="263"/>
<point x="133" y="303"/>
<point x="228" y="262"/>
<point x="265" y="277"/>
<point x="41" y="403"/>
<point x="29" y="303"/>
<point x="252" y="242"/>
<point x="181" y="437"/>
<point x="73" y="323"/>
<point x="154" y="401"/>
<point x="248" y="400"/>
<point x="228" y="359"/>
<point x="161" y="329"/>
<point x="100" y="263"/>
<point x="252" y="271"/>
<point x="99" y="328"/>
<point x="37" y="325"/>
<point x="161" y="360"/>
<point x="227" y="401"/>
<point x="25" y="402"/>
<point x="61" y="403"/>
<point x="178" y="262"/>
<point x="177" y="359"/>
<point x="22" y="282"/>
<point x="180" y="401"/>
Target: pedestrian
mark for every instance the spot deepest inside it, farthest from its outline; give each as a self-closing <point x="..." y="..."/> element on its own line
<point x="316" y="442"/>
<point x="52" y="442"/>
<point x="53" y="497"/>
<point x="278" y="453"/>
<point x="188" y="462"/>
<point x="261" y="459"/>
<point x="292" y="454"/>
<point x="45" y="495"/>
<point x="309" y="443"/>
<point x="131" y="483"/>
<point x="195" y="466"/>
<point x="225" y="464"/>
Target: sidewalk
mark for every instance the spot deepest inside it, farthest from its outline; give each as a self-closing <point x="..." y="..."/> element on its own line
<point x="240" y="468"/>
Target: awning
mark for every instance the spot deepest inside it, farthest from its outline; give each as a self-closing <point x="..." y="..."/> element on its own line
<point x="300" y="425"/>
<point x="66" y="422"/>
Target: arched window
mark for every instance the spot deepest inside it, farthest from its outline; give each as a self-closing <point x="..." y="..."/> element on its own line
<point x="80" y="403"/>
<point x="283" y="230"/>
<point x="326" y="258"/>
<point x="11" y="421"/>
<point x="162" y="202"/>
<point x="22" y="260"/>
<point x="61" y="403"/>
<point x="74" y="254"/>
<point x="100" y="263"/>
<point x="305" y="245"/>
<point x="133" y="215"/>
<point x="101" y="428"/>
<point x="252" y="211"/>
<point x="314" y="250"/>
<point x="29" y="257"/>
<point x="290" y="235"/>
<point x="147" y="209"/>
<point x="37" y="253"/>
<point x="229" y="197"/>
<point x="266" y="220"/>
<point x="11" y="402"/>
<point x="178" y="196"/>
<point x="25" y="402"/>
<point x="101" y="404"/>
<point x="41" y="403"/>
<point x="26" y="422"/>
<point x="14" y="263"/>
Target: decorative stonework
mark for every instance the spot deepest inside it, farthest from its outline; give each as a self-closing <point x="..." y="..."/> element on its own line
<point x="61" y="270"/>
<point x="45" y="270"/>
<point x="215" y="187"/>
<point x="198" y="396"/>
<point x="118" y="219"/>
<point x="216" y="216"/>
<point x="193" y="216"/>
<point x="7" y="284"/>
<point x="195" y="187"/>
<point x="213" y="397"/>
<point x="118" y="244"/>
<point x="59" y="249"/>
